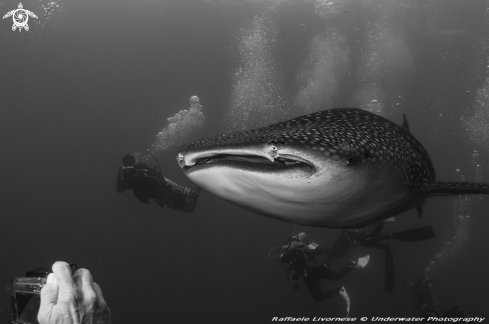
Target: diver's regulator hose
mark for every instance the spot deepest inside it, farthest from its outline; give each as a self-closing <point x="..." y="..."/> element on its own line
<point x="276" y="248"/>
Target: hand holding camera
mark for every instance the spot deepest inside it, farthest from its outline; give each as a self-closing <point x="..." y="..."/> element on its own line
<point x="71" y="299"/>
<point x="64" y="298"/>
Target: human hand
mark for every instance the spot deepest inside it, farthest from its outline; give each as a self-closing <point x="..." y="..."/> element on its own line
<point x="67" y="299"/>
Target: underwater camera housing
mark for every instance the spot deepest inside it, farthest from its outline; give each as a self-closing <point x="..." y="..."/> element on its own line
<point x="25" y="295"/>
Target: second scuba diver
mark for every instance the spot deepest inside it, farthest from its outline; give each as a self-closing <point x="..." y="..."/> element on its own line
<point x="300" y="256"/>
<point x="148" y="183"/>
<point x="425" y="300"/>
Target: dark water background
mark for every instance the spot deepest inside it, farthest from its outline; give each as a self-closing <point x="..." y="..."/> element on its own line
<point x="98" y="79"/>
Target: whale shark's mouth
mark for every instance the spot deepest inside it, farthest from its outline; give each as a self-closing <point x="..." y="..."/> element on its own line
<point x="252" y="162"/>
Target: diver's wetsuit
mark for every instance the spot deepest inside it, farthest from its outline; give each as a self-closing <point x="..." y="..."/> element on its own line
<point x="298" y="259"/>
<point x="148" y="183"/>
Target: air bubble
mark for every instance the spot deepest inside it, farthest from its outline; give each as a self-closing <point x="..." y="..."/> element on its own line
<point x="179" y="127"/>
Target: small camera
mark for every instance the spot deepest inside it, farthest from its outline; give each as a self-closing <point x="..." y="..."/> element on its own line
<point x="25" y="295"/>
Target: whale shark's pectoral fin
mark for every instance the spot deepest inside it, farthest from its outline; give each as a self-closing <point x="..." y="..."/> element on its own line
<point x="405" y="123"/>
<point x="438" y="188"/>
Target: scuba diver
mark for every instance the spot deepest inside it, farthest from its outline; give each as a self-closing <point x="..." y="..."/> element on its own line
<point x="300" y="256"/>
<point x="425" y="300"/>
<point x="148" y="183"/>
<point x="424" y="295"/>
<point x="350" y="238"/>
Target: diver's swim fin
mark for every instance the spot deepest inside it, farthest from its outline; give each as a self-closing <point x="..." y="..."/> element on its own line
<point x="374" y="229"/>
<point x="415" y="234"/>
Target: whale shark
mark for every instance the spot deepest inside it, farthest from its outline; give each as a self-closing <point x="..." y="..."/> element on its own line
<point x="336" y="168"/>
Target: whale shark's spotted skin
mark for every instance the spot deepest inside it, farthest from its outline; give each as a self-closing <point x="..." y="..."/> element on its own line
<point x="349" y="143"/>
<point x="347" y="131"/>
